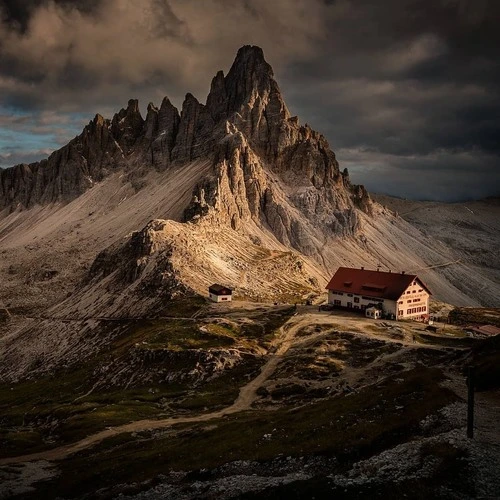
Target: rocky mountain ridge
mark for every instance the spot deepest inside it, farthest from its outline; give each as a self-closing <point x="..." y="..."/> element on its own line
<point x="244" y="129"/>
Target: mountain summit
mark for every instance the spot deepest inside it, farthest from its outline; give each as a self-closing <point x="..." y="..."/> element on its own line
<point x="246" y="133"/>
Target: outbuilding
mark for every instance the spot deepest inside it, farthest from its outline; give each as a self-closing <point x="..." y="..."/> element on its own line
<point x="220" y="293"/>
<point x="373" y="312"/>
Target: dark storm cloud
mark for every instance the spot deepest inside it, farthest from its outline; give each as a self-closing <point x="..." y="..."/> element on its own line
<point x="398" y="87"/>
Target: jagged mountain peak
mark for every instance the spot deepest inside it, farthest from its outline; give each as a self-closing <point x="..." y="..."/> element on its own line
<point x="250" y="74"/>
<point x="266" y="167"/>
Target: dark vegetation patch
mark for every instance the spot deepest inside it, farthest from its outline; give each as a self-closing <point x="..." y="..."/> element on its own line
<point x="440" y="340"/>
<point x="308" y="366"/>
<point x="44" y="413"/>
<point x="338" y="349"/>
<point x="485" y="357"/>
<point x="129" y="379"/>
<point x="287" y="390"/>
<point x="221" y="391"/>
<point x="475" y="316"/>
<point x="359" y="351"/>
<point x="183" y="307"/>
<point x="265" y="325"/>
<point x="348" y="427"/>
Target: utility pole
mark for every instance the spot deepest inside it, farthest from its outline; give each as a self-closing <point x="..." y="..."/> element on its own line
<point x="470" y="402"/>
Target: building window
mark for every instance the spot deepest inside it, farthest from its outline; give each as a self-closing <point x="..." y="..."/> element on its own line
<point x="414" y="291"/>
<point x="400" y="313"/>
<point x="400" y="302"/>
<point x="408" y="311"/>
<point x="424" y="308"/>
<point x="420" y="290"/>
<point x="416" y="300"/>
<point x="349" y="294"/>
<point x="356" y="300"/>
<point x="349" y="304"/>
<point x="408" y="292"/>
<point x="409" y="301"/>
<point x="336" y="302"/>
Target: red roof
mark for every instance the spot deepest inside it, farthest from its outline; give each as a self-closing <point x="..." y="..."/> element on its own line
<point x="379" y="284"/>
<point x="486" y="330"/>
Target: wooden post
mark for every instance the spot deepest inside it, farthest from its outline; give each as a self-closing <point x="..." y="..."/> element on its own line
<point x="470" y="402"/>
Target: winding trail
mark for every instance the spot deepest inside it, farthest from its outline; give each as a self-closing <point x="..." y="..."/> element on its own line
<point x="247" y="395"/>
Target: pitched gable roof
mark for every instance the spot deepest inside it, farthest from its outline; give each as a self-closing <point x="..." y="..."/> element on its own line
<point x="219" y="289"/>
<point x="378" y="284"/>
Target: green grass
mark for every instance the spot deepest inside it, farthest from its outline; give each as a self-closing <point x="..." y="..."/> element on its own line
<point x="174" y="335"/>
<point x="223" y="390"/>
<point x="348" y="427"/>
<point x="184" y="307"/>
<point x="34" y="415"/>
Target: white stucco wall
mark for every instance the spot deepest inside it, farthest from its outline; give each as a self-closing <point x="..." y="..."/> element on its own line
<point x="388" y="306"/>
<point x="415" y="299"/>
<point x="220" y="298"/>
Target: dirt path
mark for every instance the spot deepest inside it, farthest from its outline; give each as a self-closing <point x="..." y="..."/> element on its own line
<point x="247" y="395"/>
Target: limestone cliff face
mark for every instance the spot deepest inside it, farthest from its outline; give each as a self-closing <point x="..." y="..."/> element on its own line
<point x="267" y="167"/>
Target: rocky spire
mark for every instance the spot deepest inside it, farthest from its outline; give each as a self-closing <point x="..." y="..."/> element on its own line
<point x="151" y="123"/>
<point x="250" y="98"/>
<point x="250" y="77"/>
<point x="168" y="127"/>
<point x="195" y="136"/>
<point x="127" y="125"/>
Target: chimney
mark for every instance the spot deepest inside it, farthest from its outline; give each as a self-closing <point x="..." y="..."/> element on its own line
<point x="390" y="271"/>
<point x="362" y="268"/>
<point x="402" y="272"/>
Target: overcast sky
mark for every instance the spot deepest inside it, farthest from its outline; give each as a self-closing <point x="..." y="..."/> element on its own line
<point x="406" y="91"/>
